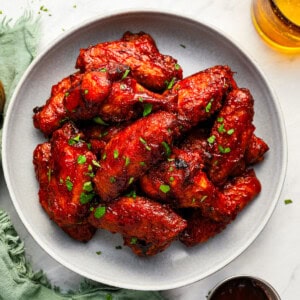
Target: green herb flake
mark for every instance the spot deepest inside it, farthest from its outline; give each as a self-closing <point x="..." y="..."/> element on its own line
<point x="221" y="128"/>
<point x="132" y="194"/>
<point x="69" y="184"/>
<point x="177" y="67"/>
<point x="127" y="71"/>
<point x="209" y="105"/>
<point x="288" y="201"/>
<point x="123" y="86"/>
<point x="99" y="212"/>
<point x="224" y="150"/>
<point x="167" y="149"/>
<point x="145" y="143"/>
<point x="74" y="140"/>
<point x="1" y="12"/>
<point x="86" y="92"/>
<point x="164" y="188"/>
<point x="211" y="139"/>
<point x="142" y="163"/>
<point x="230" y="131"/>
<point x="116" y="153"/>
<point x="87" y="186"/>
<point x="67" y="94"/>
<point x="43" y="8"/>
<point x="127" y="161"/>
<point x="133" y="240"/>
<point x="141" y="99"/>
<point x="182" y="46"/>
<point x="99" y="121"/>
<point x="103" y="70"/>
<point x="95" y="163"/>
<point x="171" y="179"/>
<point x="112" y="179"/>
<point x="147" y="109"/>
<point x="171" y="83"/>
<point x="86" y="198"/>
<point x="81" y="159"/>
<point x="130" y="181"/>
<point x="98" y="252"/>
<point x="74" y="6"/>
<point x="220" y="119"/>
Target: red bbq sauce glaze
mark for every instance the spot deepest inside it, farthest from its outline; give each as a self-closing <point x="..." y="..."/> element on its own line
<point x="240" y="289"/>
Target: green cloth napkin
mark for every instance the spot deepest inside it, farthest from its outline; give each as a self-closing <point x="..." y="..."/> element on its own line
<point x="18" y="47"/>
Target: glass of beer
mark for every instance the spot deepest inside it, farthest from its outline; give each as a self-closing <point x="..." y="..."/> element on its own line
<point x="278" y="23"/>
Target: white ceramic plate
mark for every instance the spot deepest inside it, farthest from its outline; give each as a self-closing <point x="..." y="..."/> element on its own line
<point x="196" y="46"/>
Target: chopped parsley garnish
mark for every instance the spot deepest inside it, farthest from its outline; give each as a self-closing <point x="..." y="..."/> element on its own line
<point x="177" y="67"/>
<point x="95" y="163"/>
<point x="81" y="159"/>
<point x="221" y="128"/>
<point x="49" y="174"/>
<point x="147" y="109"/>
<point x="171" y="83"/>
<point x="98" y="252"/>
<point x="104" y="156"/>
<point x="230" y="131"/>
<point x="130" y="181"/>
<point x="127" y="71"/>
<point x="142" y="163"/>
<point x="164" y="188"/>
<point x="116" y="153"/>
<point x="141" y="99"/>
<point x="112" y="179"/>
<point x="133" y="240"/>
<point x="86" y="198"/>
<point x="224" y="150"/>
<point x="220" y="119"/>
<point x="132" y="194"/>
<point x="69" y="184"/>
<point x="74" y="140"/>
<point x="211" y="139"/>
<point x="171" y="179"/>
<point x="182" y="45"/>
<point x="67" y="94"/>
<point x="288" y="201"/>
<point x="145" y="143"/>
<point x="87" y="186"/>
<point x="99" y="212"/>
<point x="208" y="106"/>
<point x="123" y="86"/>
<point x="127" y="161"/>
<point x="99" y="121"/>
<point x="167" y="148"/>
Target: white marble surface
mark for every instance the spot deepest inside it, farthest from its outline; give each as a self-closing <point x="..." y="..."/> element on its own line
<point x="275" y="254"/>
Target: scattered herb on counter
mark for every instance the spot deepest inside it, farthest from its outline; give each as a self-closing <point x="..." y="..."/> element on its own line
<point x="288" y="201"/>
<point x="98" y="252"/>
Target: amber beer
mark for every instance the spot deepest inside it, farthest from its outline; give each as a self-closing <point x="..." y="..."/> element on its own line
<point x="278" y="23"/>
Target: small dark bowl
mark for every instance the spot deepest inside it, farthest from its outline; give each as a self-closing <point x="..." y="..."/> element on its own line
<point x="244" y="286"/>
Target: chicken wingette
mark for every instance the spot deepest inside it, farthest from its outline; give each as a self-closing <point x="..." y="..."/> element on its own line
<point x="64" y="168"/>
<point x="148" y="227"/>
<point x="137" y="52"/>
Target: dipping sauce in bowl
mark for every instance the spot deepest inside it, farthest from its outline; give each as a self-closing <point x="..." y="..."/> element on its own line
<point x="243" y="288"/>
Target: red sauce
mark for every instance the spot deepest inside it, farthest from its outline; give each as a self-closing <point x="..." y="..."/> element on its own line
<point x="240" y="289"/>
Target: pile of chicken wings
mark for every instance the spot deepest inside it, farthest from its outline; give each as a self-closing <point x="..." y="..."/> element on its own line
<point x="134" y="148"/>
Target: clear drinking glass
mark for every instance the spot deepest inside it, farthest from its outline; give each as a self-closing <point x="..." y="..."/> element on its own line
<point x="278" y="23"/>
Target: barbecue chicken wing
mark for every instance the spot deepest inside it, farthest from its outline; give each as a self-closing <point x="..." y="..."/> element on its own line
<point x="231" y="134"/>
<point x="147" y="226"/>
<point x="200" y="95"/>
<point x="137" y="52"/>
<point x="64" y="169"/>
<point x="133" y="151"/>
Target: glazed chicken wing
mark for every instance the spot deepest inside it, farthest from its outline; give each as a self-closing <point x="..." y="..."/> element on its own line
<point x="200" y="95"/>
<point x="148" y="227"/>
<point x="77" y="97"/>
<point x="64" y="167"/>
<point x="137" y="52"/>
<point x="231" y="134"/>
<point x="132" y="151"/>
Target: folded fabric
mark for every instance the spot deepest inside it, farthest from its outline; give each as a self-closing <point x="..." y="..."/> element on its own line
<point x="18" y="47"/>
<point x="19" y="282"/>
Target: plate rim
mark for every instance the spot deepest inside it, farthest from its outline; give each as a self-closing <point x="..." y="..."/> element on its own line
<point x="128" y="12"/>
